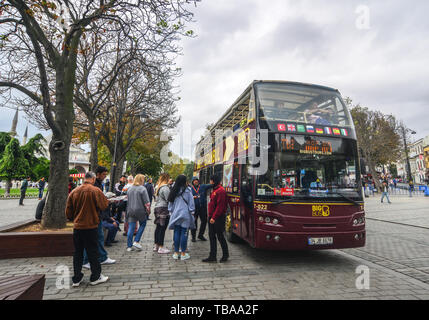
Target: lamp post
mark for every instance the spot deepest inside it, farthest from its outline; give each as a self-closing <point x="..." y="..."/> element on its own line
<point x="404" y="136"/>
<point x="143" y="117"/>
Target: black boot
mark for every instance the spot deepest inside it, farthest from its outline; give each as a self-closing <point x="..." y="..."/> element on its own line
<point x="209" y="259"/>
<point x="224" y="259"/>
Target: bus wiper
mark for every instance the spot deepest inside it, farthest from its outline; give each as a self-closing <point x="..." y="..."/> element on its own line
<point x="346" y="198"/>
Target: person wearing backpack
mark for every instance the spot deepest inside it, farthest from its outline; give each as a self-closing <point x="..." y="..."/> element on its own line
<point x="162" y="216"/>
<point x="181" y="207"/>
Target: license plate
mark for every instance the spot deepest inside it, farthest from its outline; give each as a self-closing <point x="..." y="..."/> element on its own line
<point x="320" y="241"/>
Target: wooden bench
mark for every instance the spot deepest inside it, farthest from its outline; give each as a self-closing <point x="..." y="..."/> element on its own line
<point x="22" y="287"/>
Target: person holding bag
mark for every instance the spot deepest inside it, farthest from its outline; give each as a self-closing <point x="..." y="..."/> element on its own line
<point x="181" y="207"/>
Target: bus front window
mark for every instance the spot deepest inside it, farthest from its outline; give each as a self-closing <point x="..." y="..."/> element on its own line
<point x="326" y="169"/>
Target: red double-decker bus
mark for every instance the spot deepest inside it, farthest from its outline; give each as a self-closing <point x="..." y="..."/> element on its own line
<point x="288" y="156"/>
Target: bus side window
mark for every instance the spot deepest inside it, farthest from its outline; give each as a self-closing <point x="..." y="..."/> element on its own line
<point x="218" y="171"/>
<point x="235" y="178"/>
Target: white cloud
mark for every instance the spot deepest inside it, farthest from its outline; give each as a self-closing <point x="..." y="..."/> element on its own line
<point x="316" y="41"/>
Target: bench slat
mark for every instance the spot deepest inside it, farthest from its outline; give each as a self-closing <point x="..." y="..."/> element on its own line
<point x="22" y="287"/>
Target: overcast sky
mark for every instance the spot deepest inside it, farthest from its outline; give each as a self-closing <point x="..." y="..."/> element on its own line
<point x="384" y="67"/>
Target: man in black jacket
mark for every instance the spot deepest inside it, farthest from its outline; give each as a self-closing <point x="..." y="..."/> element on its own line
<point x="24" y="187"/>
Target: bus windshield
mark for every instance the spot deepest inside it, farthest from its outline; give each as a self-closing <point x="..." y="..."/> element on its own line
<point x="299" y="103"/>
<point x="307" y="167"/>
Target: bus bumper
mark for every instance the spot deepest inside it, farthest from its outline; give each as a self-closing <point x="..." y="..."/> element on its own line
<point x="300" y="241"/>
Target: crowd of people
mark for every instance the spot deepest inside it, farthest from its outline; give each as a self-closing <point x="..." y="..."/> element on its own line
<point x="388" y="183"/>
<point x="177" y="206"/>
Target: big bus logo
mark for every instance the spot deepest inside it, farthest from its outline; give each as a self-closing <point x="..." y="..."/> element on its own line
<point x="321" y="211"/>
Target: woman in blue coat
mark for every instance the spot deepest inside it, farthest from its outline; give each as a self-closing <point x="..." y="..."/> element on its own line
<point x="181" y="207"/>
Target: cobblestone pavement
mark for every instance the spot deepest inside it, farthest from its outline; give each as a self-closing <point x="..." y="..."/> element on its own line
<point x="397" y="256"/>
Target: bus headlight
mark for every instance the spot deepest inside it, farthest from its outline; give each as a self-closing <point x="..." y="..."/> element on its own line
<point x="267" y="220"/>
<point x="261" y="219"/>
<point x="277" y="238"/>
<point x="355" y="222"/>
<point x="275" y="221"/>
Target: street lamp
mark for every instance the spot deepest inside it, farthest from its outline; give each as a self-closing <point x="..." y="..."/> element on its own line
<point x="404" y="136"/>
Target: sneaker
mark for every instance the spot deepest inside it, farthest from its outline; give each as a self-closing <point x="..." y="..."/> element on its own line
<point x="87" y="266"/>
<point x="163" y="250"/>
<point x="109" y="261"/>
<point x="137" y="245"/>
<point x="175" y="256"/>
<point x="102" y="279"/>
<point x="202" y="238"/>
<point x="194" y="240"/>
<point x="186" y="256"/>
<point x="155" y="248"/>
<point x="129" y="249"/>
<point x="209" y="260"/>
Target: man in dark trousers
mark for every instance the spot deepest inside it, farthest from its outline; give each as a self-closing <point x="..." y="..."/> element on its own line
<point x="42" y="183"/>
<point x="24" y="187"/>
<point x="199" y="192"/>
<point x="83" y="206"/>
<point x="217" y="216"/>
<point x="101" y="174"/>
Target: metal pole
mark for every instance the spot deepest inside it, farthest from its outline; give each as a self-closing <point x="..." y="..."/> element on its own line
<point x="406" y="153"/>
<point x="114" y="164"/>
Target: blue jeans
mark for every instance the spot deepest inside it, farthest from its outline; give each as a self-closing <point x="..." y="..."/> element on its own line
<point x="102" y="254"/>
<point x="180" y="238"/>
<point x="41" y="193"/>
<point x="130" y="235"/>
<point x="112" y="231"/>
<point x="385" y="194"/>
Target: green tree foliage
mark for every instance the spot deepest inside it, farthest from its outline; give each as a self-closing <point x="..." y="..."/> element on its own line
<point x="41" y="169"/>
<point x="13" y="164"/>
<point x="38" y="165"/>
<point x="4" y="140"/>
<point x="378" y="137"/>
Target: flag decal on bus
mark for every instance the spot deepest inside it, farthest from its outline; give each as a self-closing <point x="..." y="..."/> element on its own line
<point x="328" y="130"/>
<point x="310" y="129"/>
<point x="281" y="127"/>
<point x="336" y="131"/>
<point x="291" y="127"/>
<point x="319" y="130"/>
<point x="301" y="128"/>
<point x="344" y="132"/>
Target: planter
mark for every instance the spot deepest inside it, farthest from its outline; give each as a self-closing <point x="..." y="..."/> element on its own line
<point x="34" y="244"/>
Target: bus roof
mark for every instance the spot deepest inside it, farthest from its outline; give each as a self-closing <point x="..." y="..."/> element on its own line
<point x="249" y="87"/>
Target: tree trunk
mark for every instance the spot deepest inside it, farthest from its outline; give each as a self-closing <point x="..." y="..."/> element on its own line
<point x="54" y="211"/>
<point x="93" y="158"/>
<point x="7" y="188"/>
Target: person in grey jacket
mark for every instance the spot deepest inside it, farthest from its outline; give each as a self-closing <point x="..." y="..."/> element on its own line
<point x="181" y="207"/>
<point x="138" y="209"/>
<point x="162" y="216"/>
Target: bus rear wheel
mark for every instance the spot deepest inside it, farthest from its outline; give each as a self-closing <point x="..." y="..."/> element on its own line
<point x="230" y="235"/>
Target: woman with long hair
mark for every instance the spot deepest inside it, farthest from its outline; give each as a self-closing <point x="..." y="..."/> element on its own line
<point x="181" y="207"/>
<point x="138" y="209"/>
<point x="162" y="216"/>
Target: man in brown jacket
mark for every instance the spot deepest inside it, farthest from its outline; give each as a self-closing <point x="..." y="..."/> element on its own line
<point x="83" y="205"/>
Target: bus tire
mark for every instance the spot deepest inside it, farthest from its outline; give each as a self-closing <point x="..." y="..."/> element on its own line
<point x="230" y="235"/>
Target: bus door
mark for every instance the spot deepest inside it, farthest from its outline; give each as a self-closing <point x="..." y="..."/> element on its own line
<point x="246" y="204"/>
